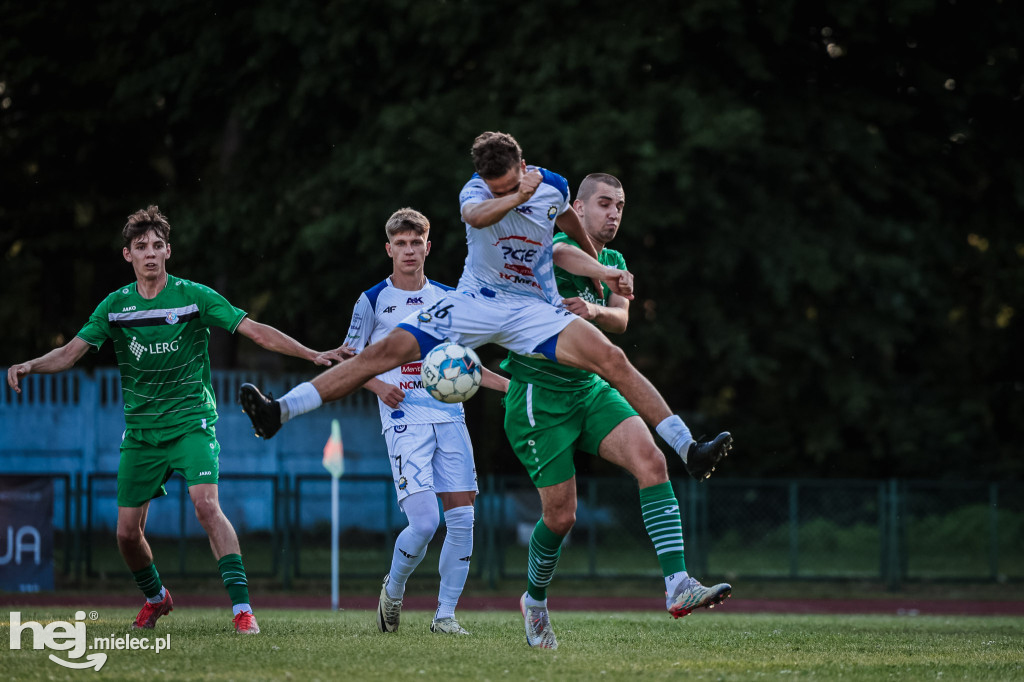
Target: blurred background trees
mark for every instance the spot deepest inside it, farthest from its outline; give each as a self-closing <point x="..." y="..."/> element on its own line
<point x="824" y="199"/>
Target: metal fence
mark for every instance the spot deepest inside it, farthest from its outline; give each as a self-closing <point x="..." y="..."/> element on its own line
<point x="893" y="531"/>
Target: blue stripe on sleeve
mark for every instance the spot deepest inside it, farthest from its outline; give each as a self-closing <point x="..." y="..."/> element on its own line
<point x="556" y="181"/>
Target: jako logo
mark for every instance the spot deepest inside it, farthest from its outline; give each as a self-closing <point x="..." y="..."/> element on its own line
<point x="60" y="636"/>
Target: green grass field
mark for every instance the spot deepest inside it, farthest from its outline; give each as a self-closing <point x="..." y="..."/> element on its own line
<point x="309" y="646"/>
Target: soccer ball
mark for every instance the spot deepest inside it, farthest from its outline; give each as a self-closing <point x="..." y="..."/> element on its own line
<point x="451" y="373"/>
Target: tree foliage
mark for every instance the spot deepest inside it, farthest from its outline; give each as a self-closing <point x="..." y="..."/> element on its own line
<point x="824" y="199"/>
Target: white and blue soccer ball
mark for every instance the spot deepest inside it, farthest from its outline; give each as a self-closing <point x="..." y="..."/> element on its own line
<point x="451" y="373"/>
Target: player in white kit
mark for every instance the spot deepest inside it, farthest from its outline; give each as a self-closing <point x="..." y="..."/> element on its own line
<point x="507" y="295"/>
<point x="428" y="443"/>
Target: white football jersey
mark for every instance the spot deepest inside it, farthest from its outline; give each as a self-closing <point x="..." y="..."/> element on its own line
<point x="376" y="313"/>
<point x="513" y="257"/>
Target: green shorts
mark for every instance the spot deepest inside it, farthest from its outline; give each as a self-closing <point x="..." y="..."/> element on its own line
<point x="546" y="427"/>
<point x="150" y="456"/>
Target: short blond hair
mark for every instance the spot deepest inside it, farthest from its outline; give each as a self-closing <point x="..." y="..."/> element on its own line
<point x="407" y="220"/>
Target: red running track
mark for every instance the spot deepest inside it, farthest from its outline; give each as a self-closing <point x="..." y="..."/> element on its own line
<point x="895" y="606"/>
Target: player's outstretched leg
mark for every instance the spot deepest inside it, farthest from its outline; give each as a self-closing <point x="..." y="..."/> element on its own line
<point x="389" y="611"/>
<point x="689" y="594"/>
<point x="146" y="620"/>
<point x="538" y="625"/>
<point x="702" y="458"/>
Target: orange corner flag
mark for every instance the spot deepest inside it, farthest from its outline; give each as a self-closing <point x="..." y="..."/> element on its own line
<point x="334" y="453"/>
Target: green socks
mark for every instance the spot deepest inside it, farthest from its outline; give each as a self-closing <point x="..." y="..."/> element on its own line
<point x="664" y="524"/>
<point x="545" y="548"/>
<point x="148" y="581"/>
<point x="233" y="573"/>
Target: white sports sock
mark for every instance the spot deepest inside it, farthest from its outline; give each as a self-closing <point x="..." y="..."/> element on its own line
<point x="530" y="601"/>
<point x="676" y="434"/>
<point x="672" y="580"/>
<point x="238" y="608"/>
<point x="158" y="598"/>
<point x="411" y="544"/>
<point x="455" y="556"/>
<point x="300" y="400"/>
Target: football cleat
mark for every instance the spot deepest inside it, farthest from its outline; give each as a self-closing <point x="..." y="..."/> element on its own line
<point x="690" y="594"/>
<point x="245" y="623"/>
<point x="389" y="611"/>
<point x="448" y="626"/>
<point x="146" y="620"/>
<point x="538" y="625"/>
<point x="264" y="412"/>
<point x="703" y="457"/>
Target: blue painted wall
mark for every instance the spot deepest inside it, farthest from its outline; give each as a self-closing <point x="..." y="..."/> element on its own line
<point x="72" y="422"/>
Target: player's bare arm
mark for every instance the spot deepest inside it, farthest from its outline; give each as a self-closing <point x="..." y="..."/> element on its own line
<point x="570" y="223"/>
<point x="57" y="360"/>
<point x="612" y="317"/>
<point x="575" y="261"/>
<point x="272" y="339"/>
<point x="493" y="381"/>
<point x="509" y="191"/>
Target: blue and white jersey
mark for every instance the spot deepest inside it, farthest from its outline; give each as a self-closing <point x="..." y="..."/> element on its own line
<point x="376" y="313"/>
<point x="513" y="257"/>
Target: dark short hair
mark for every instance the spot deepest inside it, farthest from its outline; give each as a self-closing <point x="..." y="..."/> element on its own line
<point x="494" y="154"/>
<point x="142" y="221"/>
<point x="407" y="220"/>
<point x="590" y="183"/>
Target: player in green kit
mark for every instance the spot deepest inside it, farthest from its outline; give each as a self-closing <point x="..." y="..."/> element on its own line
<point x="552" y="410"/>
<point x="160" y="328"/>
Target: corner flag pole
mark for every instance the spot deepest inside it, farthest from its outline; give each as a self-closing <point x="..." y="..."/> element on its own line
<point x="334" y="462"/>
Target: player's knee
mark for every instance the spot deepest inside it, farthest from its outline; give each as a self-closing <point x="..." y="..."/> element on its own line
<point x="207" y="512"/>
<point x="650" y="466"/>
<point x="424" y="525"/>
<point x="560" y="521"/>
<point x="129" y="536"/>
<point x="611" y="360"/>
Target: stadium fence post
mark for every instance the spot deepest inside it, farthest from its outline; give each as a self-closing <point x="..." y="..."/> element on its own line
<point x="794" y="529"/>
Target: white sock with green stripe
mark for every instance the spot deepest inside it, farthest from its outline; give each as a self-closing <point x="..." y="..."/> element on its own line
<point x="663" y="522"/>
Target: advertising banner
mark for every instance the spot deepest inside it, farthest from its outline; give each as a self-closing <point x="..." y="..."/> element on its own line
<point x="26" y="533"/>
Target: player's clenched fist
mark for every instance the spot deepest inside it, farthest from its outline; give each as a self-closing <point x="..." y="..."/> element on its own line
<point x="620" y="282"/>
<point x="529" y="184"/>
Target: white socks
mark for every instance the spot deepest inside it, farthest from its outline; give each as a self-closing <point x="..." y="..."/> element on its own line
<point x="411" y="544"/>
<point x="675" y="433"/>
<point x="455" y="556"/>
<point x="530" y="601"/>
<point x="300" y="400"/>
<point x="238" y="608"/>
<point x="672" y="580"/>
<point x="158" y="598"/>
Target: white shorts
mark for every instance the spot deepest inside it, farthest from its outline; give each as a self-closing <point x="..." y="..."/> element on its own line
<point x="431" y="457"/>
<point x="473" y="320"/>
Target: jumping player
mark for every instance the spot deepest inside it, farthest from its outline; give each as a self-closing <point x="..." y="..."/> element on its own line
<point x="507" y="295"/>
<point x="551" y="410"/>
<point x="159" y="326"/>
<point x="427" y="440"/>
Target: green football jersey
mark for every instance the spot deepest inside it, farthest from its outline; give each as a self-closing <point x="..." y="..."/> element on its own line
<point x="162" y="347"/>
<point x="544" y="372"/>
